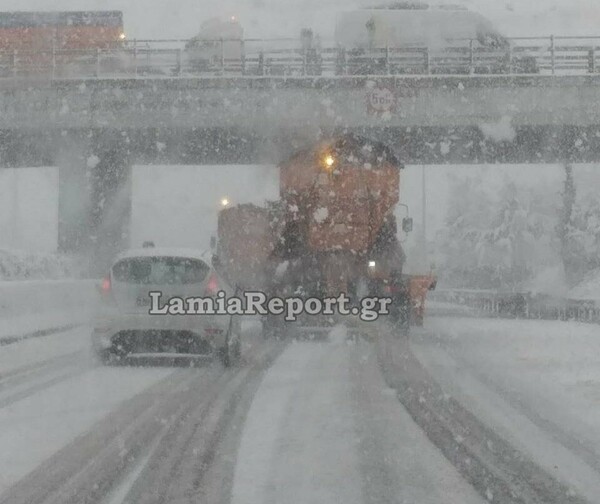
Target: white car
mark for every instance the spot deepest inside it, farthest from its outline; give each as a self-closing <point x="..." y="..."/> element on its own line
<point x="124" y="327"/>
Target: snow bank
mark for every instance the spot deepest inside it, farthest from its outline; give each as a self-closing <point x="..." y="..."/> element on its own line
<point x="550" y="281"/>
<point x="536" y="382"/>
<point x="589" y="289"/>
<point x="28" y="307"/>
<point x="20" y="265"/>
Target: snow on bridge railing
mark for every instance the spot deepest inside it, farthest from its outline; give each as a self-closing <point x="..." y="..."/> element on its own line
<point x="525" y="305"/>
<point x="290" y="57"/>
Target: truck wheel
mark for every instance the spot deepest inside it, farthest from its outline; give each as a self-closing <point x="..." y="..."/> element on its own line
<point x="403" y="325"/>
<point x="401" y="315"/>
<point x="223" y="354"/>
<point x="226" y="356"/>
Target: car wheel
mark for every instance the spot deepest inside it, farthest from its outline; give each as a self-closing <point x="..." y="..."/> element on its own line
<point x="101" y="357"/>
<point x="224" y="357"/>
<point x="237" y="349"/>
<point x="231" y="352"/>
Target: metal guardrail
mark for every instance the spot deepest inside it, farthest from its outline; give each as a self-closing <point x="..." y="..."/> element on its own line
<point x="287" y="57"/>
<point x="523" y="305"/>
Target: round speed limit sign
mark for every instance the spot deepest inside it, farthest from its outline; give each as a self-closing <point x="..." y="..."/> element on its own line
<point x="381" y="100"/>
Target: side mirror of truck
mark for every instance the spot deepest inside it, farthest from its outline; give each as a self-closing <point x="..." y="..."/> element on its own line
<point x="407" y="224"/>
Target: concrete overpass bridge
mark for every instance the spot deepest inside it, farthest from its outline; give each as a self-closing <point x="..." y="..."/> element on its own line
<point x="429" y="119"/>
<point x="94" y="129"/>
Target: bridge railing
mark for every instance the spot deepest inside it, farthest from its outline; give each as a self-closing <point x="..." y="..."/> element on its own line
<point x="288" y="57"/>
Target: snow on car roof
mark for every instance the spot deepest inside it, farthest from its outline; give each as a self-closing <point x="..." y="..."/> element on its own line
<point x="191" y="253"/>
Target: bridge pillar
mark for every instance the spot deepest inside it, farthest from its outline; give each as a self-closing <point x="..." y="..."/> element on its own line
<point x="73" y="193"/>
<point x="94" y="196"/>
<point x="110" y="169"/>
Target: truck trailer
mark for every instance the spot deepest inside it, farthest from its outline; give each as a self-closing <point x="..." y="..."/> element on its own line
<point x="333" y="230"/>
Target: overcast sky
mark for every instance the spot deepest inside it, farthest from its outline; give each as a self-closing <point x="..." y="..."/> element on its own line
<point x="277" y="18"/>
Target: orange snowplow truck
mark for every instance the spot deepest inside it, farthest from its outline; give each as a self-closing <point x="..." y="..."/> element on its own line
<point x="333" y="229"/>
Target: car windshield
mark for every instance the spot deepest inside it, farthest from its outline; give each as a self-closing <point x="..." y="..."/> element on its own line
<point x="160" y="270"/>
<point x="300" y="251"/>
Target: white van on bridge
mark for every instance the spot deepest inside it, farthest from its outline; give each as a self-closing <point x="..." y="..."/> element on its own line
<point x="446" y="39"/>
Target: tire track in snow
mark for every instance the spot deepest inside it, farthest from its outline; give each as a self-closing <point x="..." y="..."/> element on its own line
<point x="195" y="459"/>
<point x="10" y="340"/>
<point x="82" y="469"/>
<point x="28" y="380"/>
<point x="568" y="439"/>
<point x="92" y="467"/>
<point x="498" y="471"/>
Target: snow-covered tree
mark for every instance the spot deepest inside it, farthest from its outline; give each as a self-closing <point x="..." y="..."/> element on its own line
<point x="581" y="247"/>
<point x="466" y="223"/>
<point x="500" y="239"/>
<point x="509" y="245"/>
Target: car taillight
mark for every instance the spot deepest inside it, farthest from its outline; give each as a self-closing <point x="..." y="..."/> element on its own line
<point x="105" y="286"/>
<point x="212" y="286"/>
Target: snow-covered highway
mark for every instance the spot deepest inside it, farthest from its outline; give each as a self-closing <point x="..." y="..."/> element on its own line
<point x="536" y="383"/>
<point x="468" y="410"/>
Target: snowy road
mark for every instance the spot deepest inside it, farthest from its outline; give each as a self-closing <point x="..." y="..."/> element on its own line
<point x="50" y="393"/>
<point x="73" y="432"/>
<point x="324" y="427"/>
<point x="469" y="410"/>
<point x="537" y="383"/>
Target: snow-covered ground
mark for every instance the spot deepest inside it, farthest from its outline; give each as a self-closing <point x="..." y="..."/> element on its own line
<point x="52" y="392"/>
<point x="36" y="351"/>
<point x="30" y="306"/>
<point x="588" y="289"/>
<point x="19" y="265"/>
<point x="448" y="309"/>
<point x="537" y="383"/>
<point x="324" y="427"/>
<point x="56" y="410"/>
<point x="38" y="426"/>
